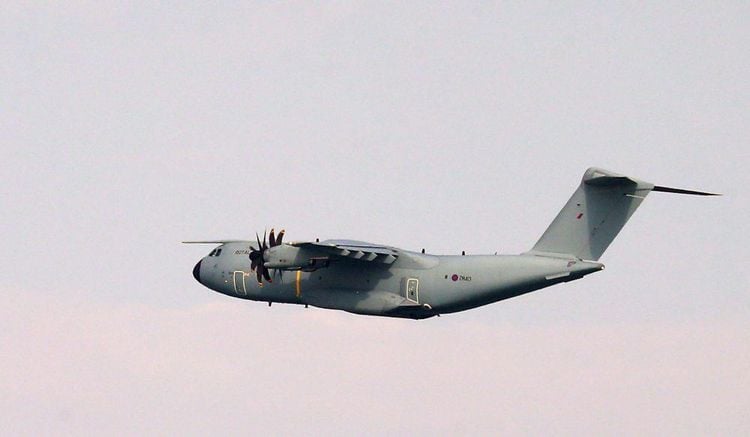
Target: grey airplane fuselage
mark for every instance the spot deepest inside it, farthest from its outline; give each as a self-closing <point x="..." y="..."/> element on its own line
<point x="415" y="286"/>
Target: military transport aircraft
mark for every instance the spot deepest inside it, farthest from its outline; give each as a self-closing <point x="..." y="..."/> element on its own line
<point x="382" y="280"/>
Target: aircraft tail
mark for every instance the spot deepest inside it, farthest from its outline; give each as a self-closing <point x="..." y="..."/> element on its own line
<point x="595" y="213"/>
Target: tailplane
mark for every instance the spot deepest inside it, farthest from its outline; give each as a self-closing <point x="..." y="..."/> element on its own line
<point x="595" y="213"/>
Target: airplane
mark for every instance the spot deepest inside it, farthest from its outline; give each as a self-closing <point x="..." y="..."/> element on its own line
<point x="381" y="280"/>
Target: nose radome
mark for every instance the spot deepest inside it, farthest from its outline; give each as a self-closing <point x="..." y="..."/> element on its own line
<point x="197" y="271"/>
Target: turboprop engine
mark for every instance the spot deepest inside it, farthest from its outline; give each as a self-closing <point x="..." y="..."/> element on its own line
<point x="286" y="257"/>
<point x="276" y="255"/>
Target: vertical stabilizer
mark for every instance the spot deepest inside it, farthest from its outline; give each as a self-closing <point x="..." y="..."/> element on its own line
<point x="594" y="215"/>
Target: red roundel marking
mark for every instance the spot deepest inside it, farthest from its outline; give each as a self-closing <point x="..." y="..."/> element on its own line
<point x="454" y="278"/>
<point x="580" y="214"/>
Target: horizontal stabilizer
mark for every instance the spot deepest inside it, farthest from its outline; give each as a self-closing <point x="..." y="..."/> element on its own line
<point x="681" y="191"/>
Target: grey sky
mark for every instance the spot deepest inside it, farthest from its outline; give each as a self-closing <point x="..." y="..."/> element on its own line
<point x="127" y="128"/>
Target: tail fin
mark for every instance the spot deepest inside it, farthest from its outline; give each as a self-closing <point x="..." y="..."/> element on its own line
<point x="595" y="213"/>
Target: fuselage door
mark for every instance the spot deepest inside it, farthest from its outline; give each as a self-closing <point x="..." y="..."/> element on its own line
<point x="238" y="278"/>
<point x="411" y="289"/>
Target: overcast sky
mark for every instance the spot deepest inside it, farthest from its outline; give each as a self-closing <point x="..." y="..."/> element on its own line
<point x="126" y="128"/>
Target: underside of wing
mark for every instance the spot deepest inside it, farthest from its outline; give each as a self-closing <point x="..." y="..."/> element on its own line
<point x="214" y="241"/>
<point x="351" y="250"/>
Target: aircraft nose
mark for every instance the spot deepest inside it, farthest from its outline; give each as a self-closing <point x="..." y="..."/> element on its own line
<point x="197" y="271"/>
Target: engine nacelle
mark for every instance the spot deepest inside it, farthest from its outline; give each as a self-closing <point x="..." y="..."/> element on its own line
<point x="287" y="257"/>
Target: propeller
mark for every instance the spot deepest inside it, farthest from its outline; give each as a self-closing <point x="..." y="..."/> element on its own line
<point x="257" y="256"/>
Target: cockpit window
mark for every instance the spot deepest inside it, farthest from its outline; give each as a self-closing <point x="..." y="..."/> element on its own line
<point x="218" y="252"/>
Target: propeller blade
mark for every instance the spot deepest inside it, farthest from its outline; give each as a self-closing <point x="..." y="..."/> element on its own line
<point x="257" y="257"/>
<point x="254" y="258"/>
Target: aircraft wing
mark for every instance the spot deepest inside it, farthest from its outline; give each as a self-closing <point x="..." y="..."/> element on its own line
<point x="352" y="250"/>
